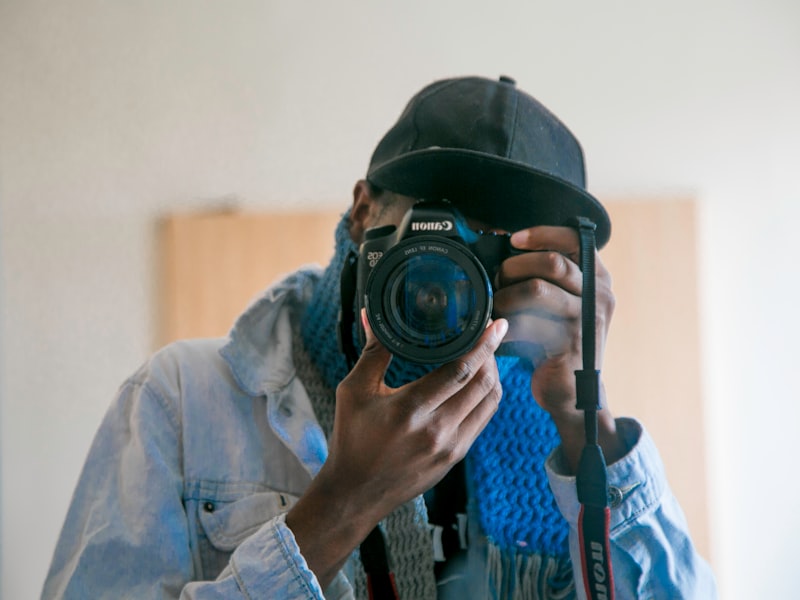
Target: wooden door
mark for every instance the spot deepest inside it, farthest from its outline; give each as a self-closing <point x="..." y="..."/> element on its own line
<point x="213" y="264"/>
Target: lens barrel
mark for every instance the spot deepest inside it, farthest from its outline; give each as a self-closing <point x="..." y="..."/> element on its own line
<point x="428" y="299"/>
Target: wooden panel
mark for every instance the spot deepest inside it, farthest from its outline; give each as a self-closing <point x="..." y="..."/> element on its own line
<point x="652" y="366"/>
<point x="214" y="264"/>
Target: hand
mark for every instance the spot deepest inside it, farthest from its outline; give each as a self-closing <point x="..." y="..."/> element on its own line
<point x="540" y="295"/>
<point x="393" y="444"/>
<point x="390" y="445"/>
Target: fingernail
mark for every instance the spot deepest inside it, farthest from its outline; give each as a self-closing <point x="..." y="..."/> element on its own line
<point x="365" y="324"/>
<point x="500" y="329"/>
<point x="517" y="238"/>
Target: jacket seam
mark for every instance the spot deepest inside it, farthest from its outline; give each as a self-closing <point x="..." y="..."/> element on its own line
<point x="298" y="576"/>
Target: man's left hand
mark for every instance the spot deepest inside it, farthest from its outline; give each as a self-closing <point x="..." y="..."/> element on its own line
<point x="539" y="292"/>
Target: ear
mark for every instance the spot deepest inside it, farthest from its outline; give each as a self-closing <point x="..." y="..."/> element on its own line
<point x="362" y="211"/>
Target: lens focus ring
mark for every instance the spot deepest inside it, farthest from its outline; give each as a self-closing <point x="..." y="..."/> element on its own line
<point x="428" y="299"/>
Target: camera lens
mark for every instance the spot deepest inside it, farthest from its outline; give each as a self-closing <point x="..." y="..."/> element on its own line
<point x="428" y="299"/>
<point x="432" y="300"/>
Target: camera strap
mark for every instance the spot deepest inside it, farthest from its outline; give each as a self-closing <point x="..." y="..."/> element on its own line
<point x="380" y="579"/>
<point x="346" y="320"/>
<point x="592" y="479"/>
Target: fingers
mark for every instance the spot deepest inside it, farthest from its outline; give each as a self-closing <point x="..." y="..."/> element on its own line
<point x="476" y="420"/>
<point x="544" y="237"/>
<point x="456" y="421"/>
<point x="449" y="379"/>
<point x="539" y="298"/>
<point x="371" y="367"/>
<point x="546" y="280"/>
<point x="545" y="283"/>
<point x="549" y="266"/>
<point x="539" y="290"/>
<point x="563" y="240"/>
<point x="541" y="337"/>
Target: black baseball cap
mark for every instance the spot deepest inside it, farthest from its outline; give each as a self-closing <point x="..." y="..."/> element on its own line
<point x="492" y="150"/>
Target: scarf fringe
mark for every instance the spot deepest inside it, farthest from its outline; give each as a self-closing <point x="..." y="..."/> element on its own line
<point x="521" y="576"/>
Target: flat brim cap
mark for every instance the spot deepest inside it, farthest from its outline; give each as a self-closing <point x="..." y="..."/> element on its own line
<point x="492" y="150"/>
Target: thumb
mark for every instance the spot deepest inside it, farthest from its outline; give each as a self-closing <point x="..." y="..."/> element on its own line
<point x="375" y="358"/>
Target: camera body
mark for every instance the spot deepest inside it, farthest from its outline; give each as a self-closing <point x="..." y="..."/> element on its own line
<point x="427" y="284"/>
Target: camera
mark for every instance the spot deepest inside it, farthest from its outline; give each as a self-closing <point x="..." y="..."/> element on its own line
<point x="427" y="284"/>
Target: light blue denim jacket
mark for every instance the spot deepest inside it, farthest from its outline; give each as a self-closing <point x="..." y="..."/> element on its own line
<point x="208" y="445"/>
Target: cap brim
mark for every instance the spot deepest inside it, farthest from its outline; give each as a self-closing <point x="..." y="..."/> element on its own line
<point x="503" y="193"/>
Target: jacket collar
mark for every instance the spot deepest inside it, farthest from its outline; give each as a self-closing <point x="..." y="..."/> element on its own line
<point x="259" y="347"/>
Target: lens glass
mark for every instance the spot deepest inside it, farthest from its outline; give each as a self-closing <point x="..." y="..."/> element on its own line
<point x="431" y="299"/>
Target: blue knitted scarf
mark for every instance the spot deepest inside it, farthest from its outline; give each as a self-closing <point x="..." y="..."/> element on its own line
<point x="505" y="465"/>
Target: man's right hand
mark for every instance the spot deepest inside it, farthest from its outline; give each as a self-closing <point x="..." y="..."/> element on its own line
<point x="392" y="444"/>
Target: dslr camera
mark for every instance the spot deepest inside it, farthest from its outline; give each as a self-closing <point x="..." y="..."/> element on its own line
<point x="427" y="284"/>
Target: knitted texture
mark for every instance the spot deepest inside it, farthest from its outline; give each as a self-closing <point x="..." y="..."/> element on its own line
<point x="505" y="465"/>
<point x="406" y="527"/>
<point x="506" y="470"/>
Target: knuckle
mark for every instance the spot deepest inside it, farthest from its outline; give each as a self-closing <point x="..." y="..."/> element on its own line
<point x="555" y="264"/>
<point x="453" y="455"/>
<point x="536" y="288"/>
<point x="611" y="304"/>
<point x="501" y="275"/>
<point x="350" y="394"/>
<point x="345" y="387"/>
<point x="495" y="395"/>
<point x="447" y="453"/>
<point x="487" y="380"/>
<point x="603" y="274"/>
<point x="372" y="347"/>
<point x="435" y="440"/>
<point x="462" y="370"/>
<point x="606" y="299"/>
<point x="490" y="406"/>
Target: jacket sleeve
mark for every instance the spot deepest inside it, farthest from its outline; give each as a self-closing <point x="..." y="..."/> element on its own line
<point x="652" y="555"/>
<point x="126" y="533"/>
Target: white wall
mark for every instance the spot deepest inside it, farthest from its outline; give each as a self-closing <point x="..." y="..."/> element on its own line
<point x="113" y="113"/>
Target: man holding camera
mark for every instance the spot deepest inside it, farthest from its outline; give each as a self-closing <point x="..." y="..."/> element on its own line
<point x="222" y="470"/>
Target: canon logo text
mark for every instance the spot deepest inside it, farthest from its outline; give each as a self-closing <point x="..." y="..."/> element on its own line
<point x="432" y="226"/>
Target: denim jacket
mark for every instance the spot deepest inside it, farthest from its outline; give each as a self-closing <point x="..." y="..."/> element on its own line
<point x="204" y="450"/>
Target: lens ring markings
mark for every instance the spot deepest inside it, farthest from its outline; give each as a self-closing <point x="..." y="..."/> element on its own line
<point x="428" y="299"/>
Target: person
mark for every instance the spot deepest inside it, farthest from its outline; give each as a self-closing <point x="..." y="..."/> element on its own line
<point x="255" y="466"/>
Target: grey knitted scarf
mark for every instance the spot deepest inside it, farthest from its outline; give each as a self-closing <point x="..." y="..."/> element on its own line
<point x="407" y="533"/>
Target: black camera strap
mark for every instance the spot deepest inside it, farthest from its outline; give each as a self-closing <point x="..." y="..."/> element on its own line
<point x="592" y="479"/>
<point x="374" y="556"/>
<point x="347" y="316"/>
